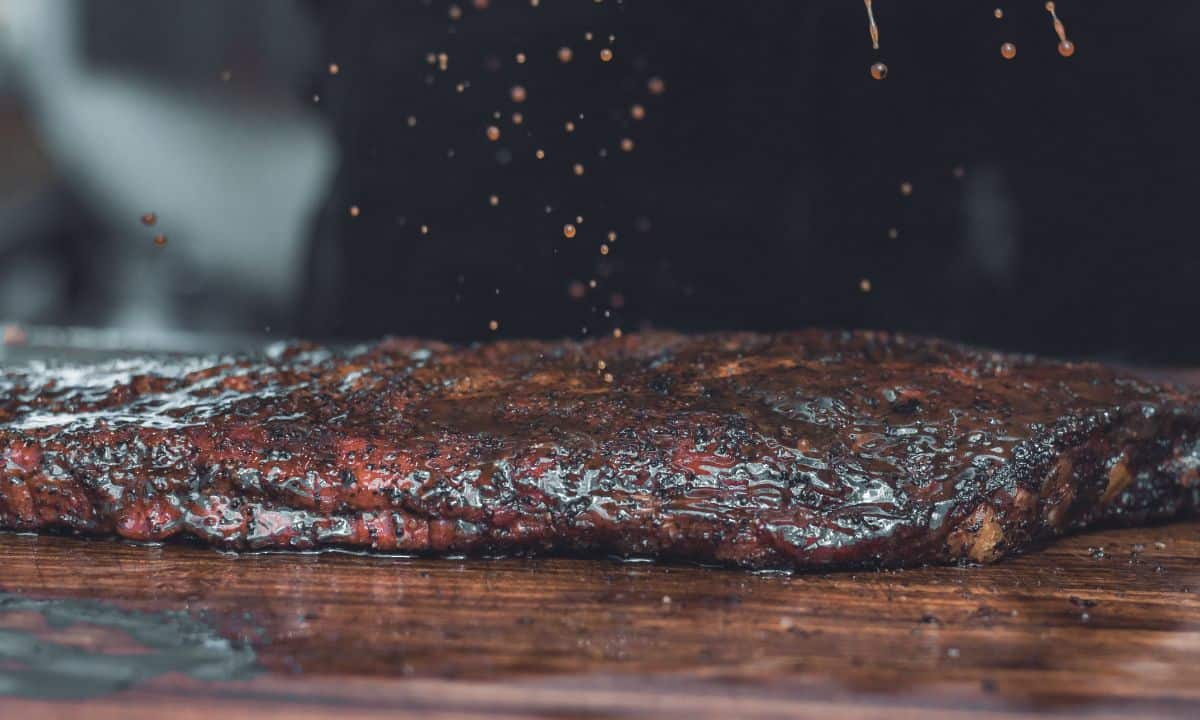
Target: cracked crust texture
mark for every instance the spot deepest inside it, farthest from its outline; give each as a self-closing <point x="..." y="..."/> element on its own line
<point x="793" y="450"/>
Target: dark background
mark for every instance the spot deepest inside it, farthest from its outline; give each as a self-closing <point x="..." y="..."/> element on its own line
<point x="759" y="194"/>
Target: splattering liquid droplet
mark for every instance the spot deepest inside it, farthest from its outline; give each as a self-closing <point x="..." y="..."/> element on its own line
<point x="493" y="133"/>
<point x="569" y="230"/>
<point x="999" y="13"/>
<point x="1066" y="48"/>
<point x="879" y="71"/>
<point x="577" y="168"/>
<point x="906" y="188"/>
<point x="494" y="200"/>
<point x="160" y="240"/>
<point x="149" y="219"/>
<point x="334" y="68"/>
<point x="656" y="86"/>
<point x="606" y="55"/>
<point x="872" y="28"/>
<point x="565" y="54"/>
<point x="494" y="325"/>
<point x="518" y="93"/>
<point x="864" y="285"/>
<point x="627" y="144"/>
<point x="354" y="211"/>
<point x="637" y="112"/>
<point x="1008" y="51"/>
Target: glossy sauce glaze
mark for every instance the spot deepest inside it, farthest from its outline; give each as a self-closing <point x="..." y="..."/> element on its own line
<point x="790" y="450"/>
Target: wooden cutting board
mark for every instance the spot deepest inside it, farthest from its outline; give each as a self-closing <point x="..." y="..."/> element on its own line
<point x="1101" y="625"/>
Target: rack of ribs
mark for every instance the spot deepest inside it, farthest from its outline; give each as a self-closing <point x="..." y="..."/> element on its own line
<point x="792" y="450"/>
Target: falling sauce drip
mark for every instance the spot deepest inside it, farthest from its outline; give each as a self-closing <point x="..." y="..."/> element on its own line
<point x="999" y="13"/>
<point x="864" y="285"/>
<point x="656" y="85"/>
<point x="568" y="231"/>
<point x="606" y="55"/>
<point x="906" y="188"/>
<point x="872" y="27"/>
<point x="1008" y="51"/>
<point x="494" y="200"/>
<point x="1066" y="48"/>
<point x="577" y="168"/>
<point x="493" y="133"/>
<point x="565" y="54"/>
<point x="354" y="211"/>
<point x="637" y="112"/>
<point x="494" y="325"/>
<point x="518" y="93"/>
<point x="627" y="144"/>
<point x="879" y="71"/>
<point x="160" y="240"/>
<point x="149" y="219"/>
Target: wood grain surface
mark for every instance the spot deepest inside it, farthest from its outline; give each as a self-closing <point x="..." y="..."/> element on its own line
<point x="1100" y="625"/>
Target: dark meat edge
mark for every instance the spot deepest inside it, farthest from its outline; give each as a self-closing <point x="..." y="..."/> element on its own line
<point x="1115" y="466"/>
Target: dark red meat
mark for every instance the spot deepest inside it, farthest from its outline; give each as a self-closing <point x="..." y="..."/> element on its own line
<point x="792" y="450"/>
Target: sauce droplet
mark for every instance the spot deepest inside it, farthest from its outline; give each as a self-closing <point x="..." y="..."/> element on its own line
<point x="354" y="211"/>
<point x="149" y="219"/>
<point x="606" y="55"/>
<point x="879" y="71"/>
<point x="334" y="68"/>
<point x="569" y="230"/>
<point x="999" y="13"/>
<point x="518" y="93"/>
<point x="494" y="200"/>
<point x="1066" y="48"/>
<point x="1008" y="51"/>
<point x="906" y="188"/>
<point x="494" y="325"/>
<point x="656" y="86"/>
<point x="872" y="28"/>
<point x="493" y="133"/>
<point x="627" y="144"/>
<point x="160" y="240"/>
<point x="637" y="112"/>
<point x="864" y="285"/>
<point x="565" y="54"/>
<point x="577" y="168"/>
<point x="540" y="154"/>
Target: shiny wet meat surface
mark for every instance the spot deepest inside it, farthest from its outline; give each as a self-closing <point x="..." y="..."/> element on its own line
<point x="792" y="450"/>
